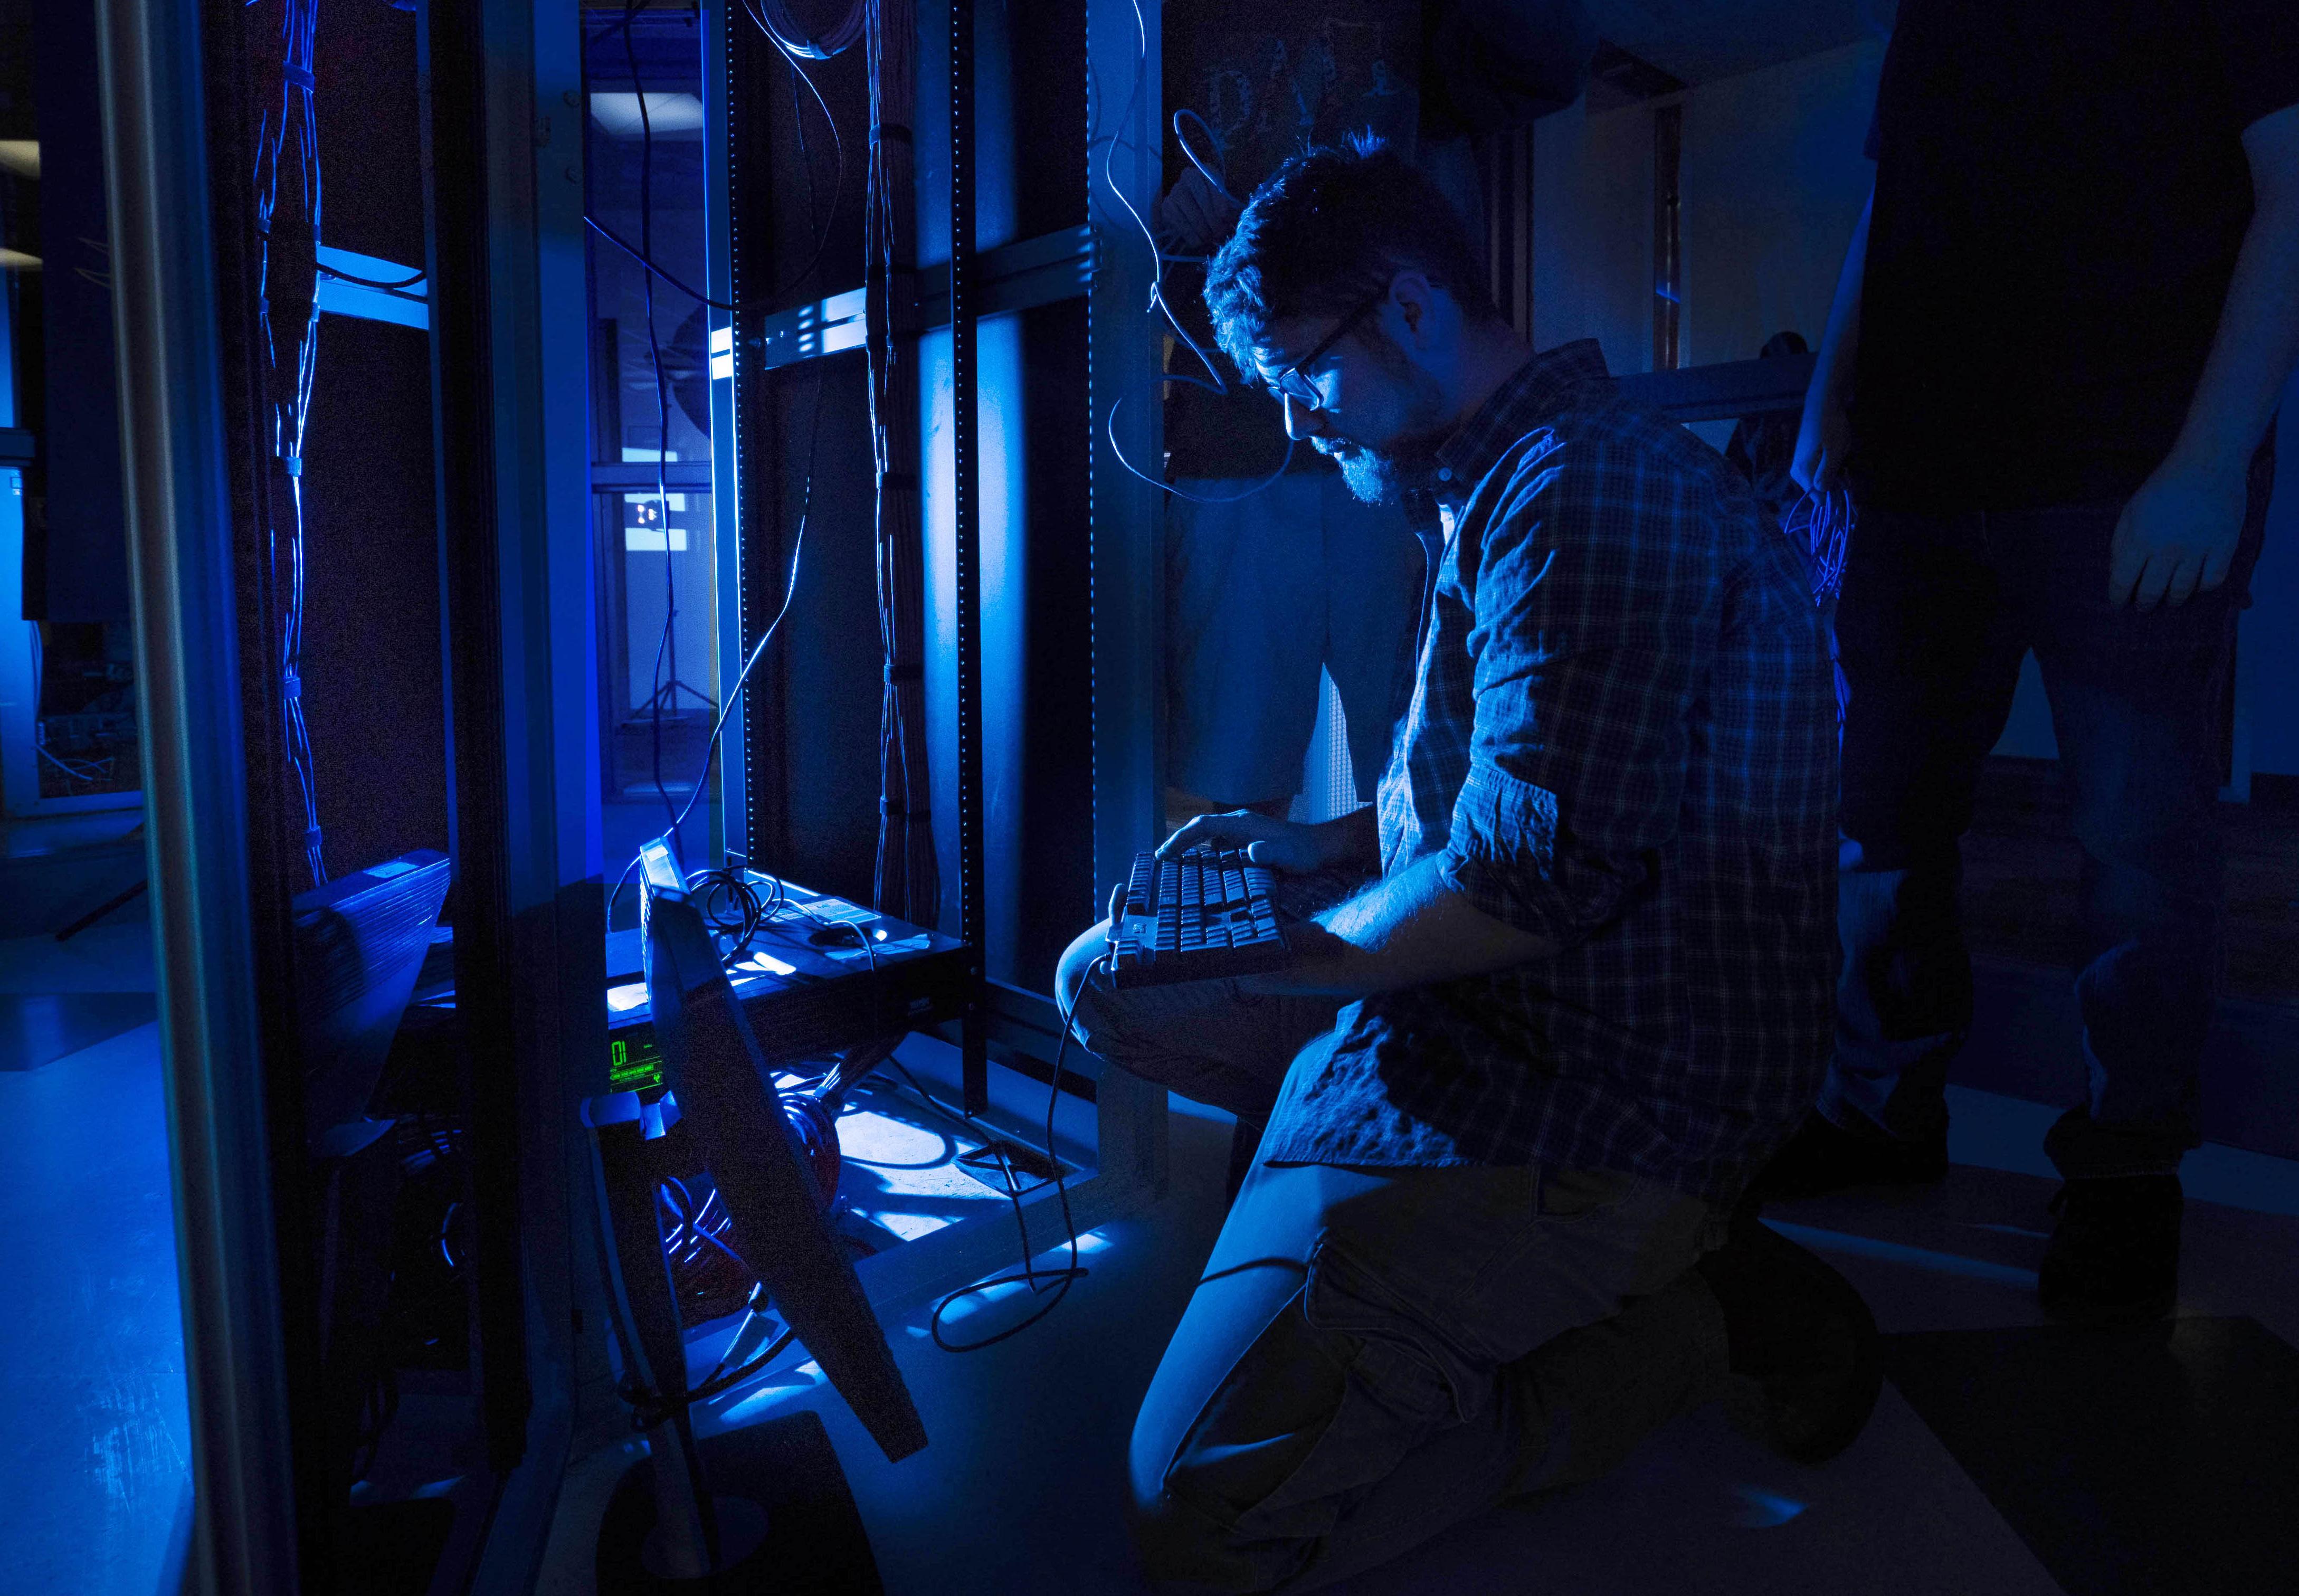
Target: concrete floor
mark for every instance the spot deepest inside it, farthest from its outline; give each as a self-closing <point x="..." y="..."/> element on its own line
<point x="94" y="1438"/>
<point x="1018" y="1494"/>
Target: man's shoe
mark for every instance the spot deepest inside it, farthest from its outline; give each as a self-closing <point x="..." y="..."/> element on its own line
<point x="1799" y="1331"/>
<point x="2114" y="1258"/>
<point x="1823" y="1157"/>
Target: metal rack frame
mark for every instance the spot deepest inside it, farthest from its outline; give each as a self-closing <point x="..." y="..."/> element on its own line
<point x="1128" y="1114"/>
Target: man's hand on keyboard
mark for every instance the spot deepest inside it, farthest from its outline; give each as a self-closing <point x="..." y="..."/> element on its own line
<point x="1277" y="844"/>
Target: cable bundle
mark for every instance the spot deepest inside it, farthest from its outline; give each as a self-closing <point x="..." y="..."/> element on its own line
<point x="733" y="906"/>
<point x="1057" y="1280"/>
<point x="1819" y="528"/>
<point x="709" y="1280"/>
<point x="774" y="20"/>
<point x="907" y="877"/>
<point x="707" y="1275"/>
<point x="291" y="264"/>
<point x="1159" y="307"/>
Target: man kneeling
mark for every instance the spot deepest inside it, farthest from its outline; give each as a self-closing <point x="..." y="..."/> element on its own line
<point x="1514" y="1087"/>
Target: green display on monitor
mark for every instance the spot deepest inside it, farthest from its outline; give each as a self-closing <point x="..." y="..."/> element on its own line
<point x="633" y="1062"/>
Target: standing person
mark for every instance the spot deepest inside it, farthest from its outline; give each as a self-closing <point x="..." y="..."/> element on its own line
<point x="2048" y="380"/>
<point x="1273" y="570"/>
<point x="1512" y="1088"/>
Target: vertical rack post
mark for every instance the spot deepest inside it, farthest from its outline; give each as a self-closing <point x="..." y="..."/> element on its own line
<point x="1668" y="245"/>
<point x="967" y="512"/>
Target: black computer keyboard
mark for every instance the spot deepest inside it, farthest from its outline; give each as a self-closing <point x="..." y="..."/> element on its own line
<point x="1195" y="917"/>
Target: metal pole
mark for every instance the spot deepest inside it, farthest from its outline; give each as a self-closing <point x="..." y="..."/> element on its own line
<point x="1668" y="251"/>
<point x="965" y="414"/>
<point x="179" y="561"/>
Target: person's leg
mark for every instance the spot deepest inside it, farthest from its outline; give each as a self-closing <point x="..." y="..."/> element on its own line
<point x="1930" y="649"/>
<point x="1372" y="1355"/>
<point x="1207" y="1040"/>
<point x="1245" y="616"/>
<point x="2139" y="701"/>
<point x="2137" y="704"/>
<point x="1373" y="606"/>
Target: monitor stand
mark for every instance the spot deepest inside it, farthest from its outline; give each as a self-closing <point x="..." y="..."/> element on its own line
<point x="795" y="1531"/>
<point x="770" y="1498"/>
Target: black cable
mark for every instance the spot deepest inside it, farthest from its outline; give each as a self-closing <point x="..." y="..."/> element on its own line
<point x="814" y="437"/>
<point x="649" y="1407"/>
<point x="840" y="40"/>
<point x="838" y="191"/>
<point x="368" y="282"/>
<point x="730" y="906"/>
<point x="644" y="257"/>
<point x="632" y="250"/>
<point x="1061" y="1279"/>
<point x="728" y="1381"/>
<point x="1213" y="381"/>
<point x="666" y="642"/>
<point x="906" y="874"/>
<point x="758" y="653"/>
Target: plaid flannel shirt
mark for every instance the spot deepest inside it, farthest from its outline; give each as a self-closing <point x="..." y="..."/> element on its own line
<point x="1622" y="738"/>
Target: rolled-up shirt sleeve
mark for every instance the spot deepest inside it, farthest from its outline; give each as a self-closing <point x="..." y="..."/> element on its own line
<point x="1596" y="610"/>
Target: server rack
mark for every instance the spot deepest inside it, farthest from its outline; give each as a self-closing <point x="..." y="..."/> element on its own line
<point x="948" y="281"/>
<point x="504" y="241"/>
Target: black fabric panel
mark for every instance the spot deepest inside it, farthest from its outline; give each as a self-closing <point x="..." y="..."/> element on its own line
<point x="825" y="674"/>
<point x="1054" y="844"/>
<point x="374" y="679"/>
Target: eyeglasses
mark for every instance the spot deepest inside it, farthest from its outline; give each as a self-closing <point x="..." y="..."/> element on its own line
<point x="1291" y="384"/>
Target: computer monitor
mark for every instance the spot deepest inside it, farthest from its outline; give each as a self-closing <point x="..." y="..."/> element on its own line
<point x="360" y="941"/>
<point x="781" y="1223"/>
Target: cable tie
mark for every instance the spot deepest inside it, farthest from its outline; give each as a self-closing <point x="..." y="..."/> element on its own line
<point x="311" y="837"/>
<point x="300" y="77"/>
<point x="293" y="463"/>
<point x="291" y="684"/>
<point x="896" y="811"/>
<point x="904" y="673"/>
<point x="902" y="481"/>
<point x="882" y="131"/>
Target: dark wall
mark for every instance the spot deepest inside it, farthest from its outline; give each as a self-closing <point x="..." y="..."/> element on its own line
<point x="1050" y="111"/>
<point x="373" y="681"/>
<point x="814" y="702"/>
<point x="1054" y="844"/>
<point x="75" y="537"/>
<point x="798" y="233"/>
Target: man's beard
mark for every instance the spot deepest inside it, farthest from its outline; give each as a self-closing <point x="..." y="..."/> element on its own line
<point x="1408" y="460"/>
<point x="1385" y="477"/>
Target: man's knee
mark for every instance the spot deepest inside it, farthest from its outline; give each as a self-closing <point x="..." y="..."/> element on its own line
<point x="1236" y="1478"/>
<point x="1185" y="1549"/>
<point x="1073" y="987"/>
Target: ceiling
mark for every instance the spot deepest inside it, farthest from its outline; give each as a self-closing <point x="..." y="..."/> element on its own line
<point x="1700" y="41"/>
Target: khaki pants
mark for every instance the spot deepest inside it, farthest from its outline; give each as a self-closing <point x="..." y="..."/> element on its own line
<point x="1373" y="1354"/>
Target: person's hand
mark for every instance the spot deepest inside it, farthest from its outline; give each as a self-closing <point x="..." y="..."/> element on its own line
<point x="1194" y="218"/>
<point x="1822" y="443"/>
<point x="2177" y="536"/>
<point x="1280" y="845"/>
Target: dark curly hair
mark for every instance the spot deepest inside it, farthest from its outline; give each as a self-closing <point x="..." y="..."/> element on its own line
<point x="1327" y="228"/>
